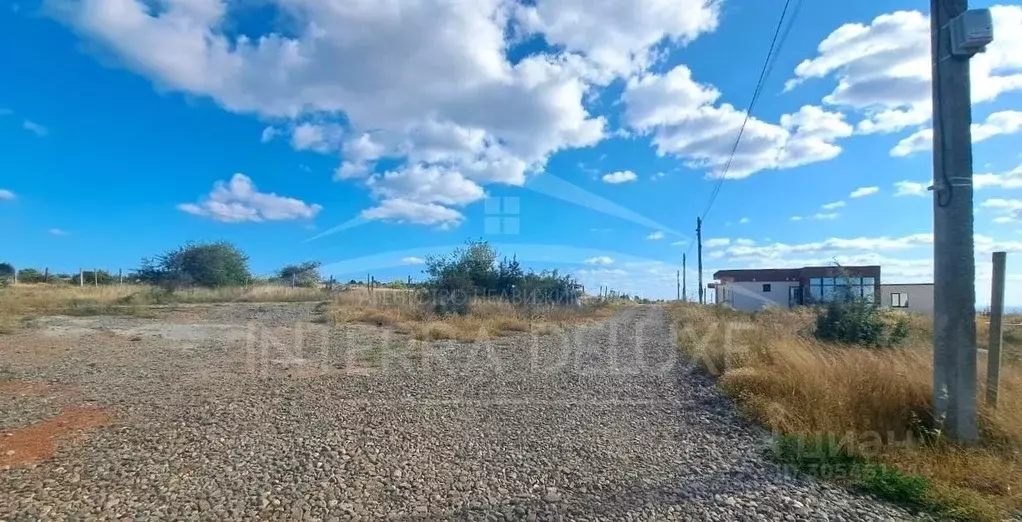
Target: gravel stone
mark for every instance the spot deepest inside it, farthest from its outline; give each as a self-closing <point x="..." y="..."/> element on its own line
<point x="241" y="412"/>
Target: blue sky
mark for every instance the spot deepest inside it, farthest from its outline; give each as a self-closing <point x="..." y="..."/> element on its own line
<point x="585" y="136"/>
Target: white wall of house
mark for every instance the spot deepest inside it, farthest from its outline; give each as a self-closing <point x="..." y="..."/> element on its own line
<point x="919" y="297"/>
<point x="751" y="296"/>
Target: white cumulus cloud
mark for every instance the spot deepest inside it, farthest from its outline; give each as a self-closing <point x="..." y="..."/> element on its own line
<point x="832" y="206"/>
<point x="621" y="176"/>
<point x="883" y="69"/>
<point x="429" y="85"/>
<point x="1003" y="122"/>
<point x="683" y="119"/>
<point x="238" y="200"/>
<point x="405" y="211"/>
<point x="910" y="188"/>
<point x="599" y="260"/>
<point x="35" y="128"/>
<point x="862" y="192"/>
<point x="618" y="37"/>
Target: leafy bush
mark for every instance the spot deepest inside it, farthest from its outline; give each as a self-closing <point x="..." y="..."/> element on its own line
<point x="92" y="277"/>
<point x="6" y="271"/>
<point x="305" y="275"/>
<point x="473" y="271"/>
<point x="857" y="321"/>
<point x="31" y="275"/>
<point x="209" y="265"/>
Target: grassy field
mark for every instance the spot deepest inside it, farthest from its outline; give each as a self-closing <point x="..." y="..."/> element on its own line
<point x="23" y="301"/>
<point x="401" y="310"/>
<point x="862" y="416"/>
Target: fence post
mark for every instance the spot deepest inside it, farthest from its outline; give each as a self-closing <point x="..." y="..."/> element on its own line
<point x="996" y="335"/>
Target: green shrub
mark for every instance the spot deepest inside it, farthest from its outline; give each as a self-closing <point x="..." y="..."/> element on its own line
<point x="6" y="271"/>
<point x="211" y="265"/>
<point x="92" y="277"/>
<point x="31" y="275"/>
<point x="857" y="321"/>
<point x="474" y="271"/>
<point x="305" y="275"/>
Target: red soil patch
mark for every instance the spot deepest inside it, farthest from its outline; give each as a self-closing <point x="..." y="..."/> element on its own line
<point x="26" y="388"/>
<point x="39" y="441"/>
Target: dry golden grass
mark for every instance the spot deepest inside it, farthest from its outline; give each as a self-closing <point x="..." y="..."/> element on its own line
<point x="487" y="319"/>
<point x="796" y="385"/>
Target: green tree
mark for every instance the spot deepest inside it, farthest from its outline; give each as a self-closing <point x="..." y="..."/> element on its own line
<point x="31" y="275"/>
<point x="92" y="277"/>
<point x="858" y="321"/>
<point x="209" y="265"/>
<point x="305" y="274"/>
<point x="6" y="271"/>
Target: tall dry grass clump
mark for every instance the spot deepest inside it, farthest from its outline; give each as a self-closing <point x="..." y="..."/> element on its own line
<point x="879" y="398"/>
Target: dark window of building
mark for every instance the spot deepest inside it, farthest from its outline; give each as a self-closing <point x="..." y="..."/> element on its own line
<point x="766" y="287"/>
<point x="824" y="289"/>
<point x="899" y="300"/>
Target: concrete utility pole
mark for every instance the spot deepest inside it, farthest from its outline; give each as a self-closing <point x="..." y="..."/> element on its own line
<point x="996" y="313"/>
<point x="954" y="265"/>
<point x="684" y="277"/>
<point x="699" y="246"/>
<point x="81" y="278"/>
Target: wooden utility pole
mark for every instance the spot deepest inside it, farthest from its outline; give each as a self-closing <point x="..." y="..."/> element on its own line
<point x="46" y="275"/>
<point x="677" y="282"/>
<point x="699" y="247"/>
<point x="684" y="277"/>
<point x="954" y="265"/>
<point x="996" y="313"/>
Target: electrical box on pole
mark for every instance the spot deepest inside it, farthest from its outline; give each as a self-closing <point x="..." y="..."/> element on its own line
<point x="971" y="32"/>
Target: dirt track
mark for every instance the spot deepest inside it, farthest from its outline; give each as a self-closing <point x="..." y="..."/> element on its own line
<point x="252" y="411"/>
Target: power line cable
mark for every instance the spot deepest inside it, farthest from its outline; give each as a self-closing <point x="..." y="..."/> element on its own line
<point x="767" y="65"/>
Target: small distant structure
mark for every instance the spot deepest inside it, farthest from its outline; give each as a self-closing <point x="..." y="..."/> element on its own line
<point x="759" y="288"/>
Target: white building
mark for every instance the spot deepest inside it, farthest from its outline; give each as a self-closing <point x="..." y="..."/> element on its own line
<point x="911" y="297"/>
<point x="755" y="289"/>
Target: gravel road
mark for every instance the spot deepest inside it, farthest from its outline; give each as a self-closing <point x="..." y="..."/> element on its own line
<point x="247" y="412"/>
